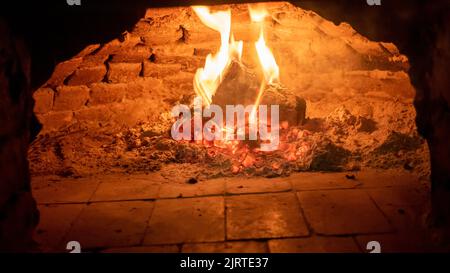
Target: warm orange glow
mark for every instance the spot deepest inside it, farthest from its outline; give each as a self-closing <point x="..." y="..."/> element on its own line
<point x="208" y="78"/>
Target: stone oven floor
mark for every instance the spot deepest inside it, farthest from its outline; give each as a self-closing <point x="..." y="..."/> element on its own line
<point x="305" y="212"/>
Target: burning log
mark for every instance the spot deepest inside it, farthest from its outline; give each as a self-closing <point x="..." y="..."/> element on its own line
<point x="292" y="107"/>
<point x="241" y="85"/>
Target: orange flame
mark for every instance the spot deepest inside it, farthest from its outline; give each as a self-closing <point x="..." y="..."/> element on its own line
<point x="266" y="58"/>
<point x="269" y="66"/>
<point x="208" y="78"/>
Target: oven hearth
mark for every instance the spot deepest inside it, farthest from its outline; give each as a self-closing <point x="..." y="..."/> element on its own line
<point x="348" y="104"/>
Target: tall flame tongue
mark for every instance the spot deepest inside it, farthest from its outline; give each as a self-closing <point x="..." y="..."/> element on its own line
<point x="267" y="60"/>
<point x="208" y="78"/>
